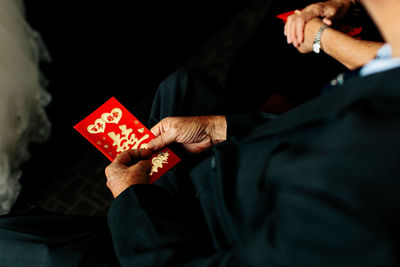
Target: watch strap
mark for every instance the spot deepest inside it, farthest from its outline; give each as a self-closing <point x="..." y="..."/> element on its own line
<point x="317" y="47"/>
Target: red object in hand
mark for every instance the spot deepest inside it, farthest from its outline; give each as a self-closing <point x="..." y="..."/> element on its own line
<point x="351" y="31"/>
<point x="113" y="129"/>
<point x="285" y="15"/>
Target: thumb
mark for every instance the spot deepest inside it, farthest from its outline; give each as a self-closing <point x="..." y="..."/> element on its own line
<point x="161" y="141"/>
<point x="329" y="13"/>
<point x="327" y="21"/>
<point x="143" y="166"/>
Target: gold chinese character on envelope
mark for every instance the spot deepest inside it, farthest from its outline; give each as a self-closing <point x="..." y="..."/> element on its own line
<point x="113" y="129"/>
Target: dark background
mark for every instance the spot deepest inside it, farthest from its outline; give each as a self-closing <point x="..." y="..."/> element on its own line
<point x="119" y="48"/>
<point x="125" y="49"/>
<point x="122" y="49"/>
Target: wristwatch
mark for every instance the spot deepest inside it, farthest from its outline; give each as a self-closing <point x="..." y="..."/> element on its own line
<point x="317" y="47"/>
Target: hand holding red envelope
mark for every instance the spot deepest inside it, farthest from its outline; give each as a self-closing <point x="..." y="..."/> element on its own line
<point x="113" y="129"/>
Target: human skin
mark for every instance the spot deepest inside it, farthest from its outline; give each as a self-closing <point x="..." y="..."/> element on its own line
<point x="351" y="52"/>
<point x="196" y="134"/>
<point x="385" y="14"/>
<point x="327" y="11"/>
<point x="128" y="168"/>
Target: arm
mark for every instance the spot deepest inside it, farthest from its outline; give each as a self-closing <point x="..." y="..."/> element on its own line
<point x="327" y="11"/>
<point x="149" y="228"/>
<point x="337" y="219"/>
<point x="195" y="133"/>
<point x="240" y="124"/>
<point x="349" y="51"/>
<point x="305" y="227"/>
<point x="323" y="206"/>
<point x="200" y="133"/>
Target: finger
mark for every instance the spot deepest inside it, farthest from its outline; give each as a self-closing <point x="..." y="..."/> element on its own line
<point x="108" y="171"/>
<point x="124" y="158"/>
<point x="156" y="130"/>
<point x="138" y="154"/>
<point x="161" y="141"/>
<point x="130" y="157"/>
<point x="288" y="39"/>
<point x="285" y="29"/>
<point x="300" y="31"/>
<point x="161" y="126"/>
<point x="293" y="38"/>
<point x="144" y="154"/>
<point x="113" y="169"/>
<point x="288" y="28"/>
<point x="327" y="21"/>
<point x="328" y="12"/>
<point x="143" y="166"/>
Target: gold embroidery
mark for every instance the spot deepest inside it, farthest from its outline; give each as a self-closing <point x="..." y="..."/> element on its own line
<point x="100" y="124"/>
<point x="158" y="161"/>
<point x="126" y="140"/>
<point x="98" y="127"/>
<point x="113" y="117"/>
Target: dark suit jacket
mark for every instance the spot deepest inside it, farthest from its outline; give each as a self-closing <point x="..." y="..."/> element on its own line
<point x="317" y="186"/>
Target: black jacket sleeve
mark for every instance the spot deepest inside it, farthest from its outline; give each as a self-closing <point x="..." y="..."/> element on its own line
<point x="306" y="229"/>
<point x="148" y="230"/>
<point x="332" y="203"/>
<point x="149" y="227"/>
<point x="240" y="124"/>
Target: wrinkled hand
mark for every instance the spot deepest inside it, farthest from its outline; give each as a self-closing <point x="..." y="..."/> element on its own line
<point x="327" y="11"/>
<point x="310" y="31"/>
<point x="196" y="134"/>
<point x="128" y="168"/>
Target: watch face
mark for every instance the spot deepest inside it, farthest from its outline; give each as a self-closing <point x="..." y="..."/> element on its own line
<point x="316" y="47"/>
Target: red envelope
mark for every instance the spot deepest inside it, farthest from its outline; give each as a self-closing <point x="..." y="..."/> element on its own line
<point x="113" y="129"/>
<point x="285" y="15"/>
<point x="346" y="29"/>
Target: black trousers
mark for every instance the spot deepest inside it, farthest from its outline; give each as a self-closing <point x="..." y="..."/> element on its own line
<point x="41" y="238"/>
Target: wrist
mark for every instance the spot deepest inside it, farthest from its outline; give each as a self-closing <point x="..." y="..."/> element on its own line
<point x="317" y="46"/>
<point x="313" y="26"/>
<point x="218" y="128"/>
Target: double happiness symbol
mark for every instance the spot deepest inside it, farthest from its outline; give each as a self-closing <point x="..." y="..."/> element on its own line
<point x="113" y="129"/>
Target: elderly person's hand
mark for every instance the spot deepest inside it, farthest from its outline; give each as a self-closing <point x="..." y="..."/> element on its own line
<point x="196" y="134"/>
<point x="128" y="168"/>
<point x="310" y="31"/>
<point x="327" y="11"/>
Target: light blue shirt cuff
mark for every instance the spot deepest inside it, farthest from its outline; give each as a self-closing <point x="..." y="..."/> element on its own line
<point x="383" y="62"/>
